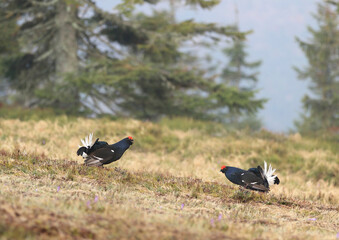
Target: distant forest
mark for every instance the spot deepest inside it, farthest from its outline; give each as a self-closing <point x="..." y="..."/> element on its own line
<point x="72" y="56"/>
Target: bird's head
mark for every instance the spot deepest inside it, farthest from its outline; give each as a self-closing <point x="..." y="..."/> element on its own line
<point x="130" y="140"/>
<point x="223" y="169"/>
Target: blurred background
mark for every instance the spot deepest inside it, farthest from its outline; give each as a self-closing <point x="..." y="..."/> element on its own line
<point x="263" y="64"/>
<point x="198" y="84"/>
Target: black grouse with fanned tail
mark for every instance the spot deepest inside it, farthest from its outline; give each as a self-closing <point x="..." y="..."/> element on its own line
<point x="254" y="178"/>
<point x="100" y="153"/>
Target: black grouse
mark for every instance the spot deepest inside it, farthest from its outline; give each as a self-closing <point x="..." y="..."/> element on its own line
<point x="254" y="178"/>
<point x="100" y="153"/>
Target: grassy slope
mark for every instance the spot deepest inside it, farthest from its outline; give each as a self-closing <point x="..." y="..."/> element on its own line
<point x="167" y="186"/>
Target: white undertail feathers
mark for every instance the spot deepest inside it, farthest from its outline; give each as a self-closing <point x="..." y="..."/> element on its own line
<point x="87" y="143"/>
<point x="269" y="174"/>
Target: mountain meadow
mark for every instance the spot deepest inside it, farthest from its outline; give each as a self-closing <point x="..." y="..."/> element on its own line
<point x="168" y="185"/>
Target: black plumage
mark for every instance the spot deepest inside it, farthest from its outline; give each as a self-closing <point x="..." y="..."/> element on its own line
<point x="100" y="153"/>
<point x="88" y="150"/>
<point x="254" y="178"/>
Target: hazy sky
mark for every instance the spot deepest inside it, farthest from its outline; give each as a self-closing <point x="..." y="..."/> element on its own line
<point x="275" y="25"/>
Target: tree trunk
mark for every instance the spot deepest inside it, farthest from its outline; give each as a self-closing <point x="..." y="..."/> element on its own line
<point x="66" y="57"/>
<point x="65" y="39"/>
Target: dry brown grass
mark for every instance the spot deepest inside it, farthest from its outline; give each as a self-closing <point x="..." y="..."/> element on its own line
<point x="167" y="185"/>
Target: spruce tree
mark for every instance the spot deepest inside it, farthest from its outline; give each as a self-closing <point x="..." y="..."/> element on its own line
<point x="322" y="104"/>
<point x="242" y="75"/>
<point x="237" y="72"/>
<point x="78" y="57"/>
<point x="9" y="47"/>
